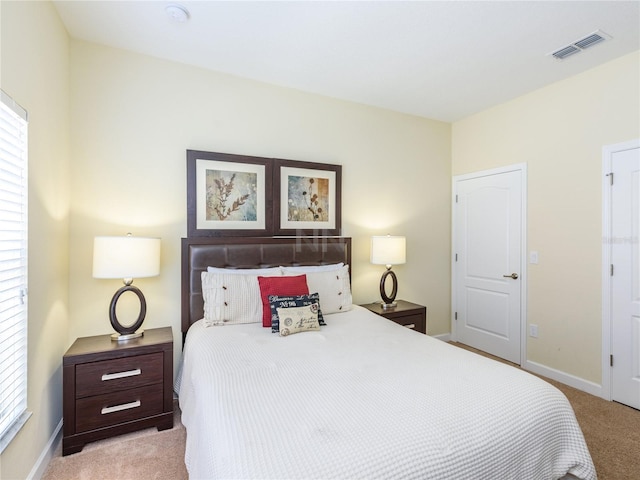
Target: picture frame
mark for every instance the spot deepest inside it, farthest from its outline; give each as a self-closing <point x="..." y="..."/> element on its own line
<point x="228" y="195"/>
<point x="307" y="198"/>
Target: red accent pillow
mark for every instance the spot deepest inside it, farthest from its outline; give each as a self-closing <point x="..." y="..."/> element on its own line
<point x="296" y="285"/>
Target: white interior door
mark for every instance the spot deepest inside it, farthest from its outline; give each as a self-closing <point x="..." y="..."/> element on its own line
<point x="625" y="276"/>
<point x="488" y="268"/>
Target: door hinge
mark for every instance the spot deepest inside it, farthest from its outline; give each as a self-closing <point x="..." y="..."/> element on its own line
<point x="611" y="270"/>
<point x="610" y="175"/>
<point x="611" y="360"/>
<point x="455" y="316"/>
<point x="456" y="198"/>
<point x="456" y="257"/>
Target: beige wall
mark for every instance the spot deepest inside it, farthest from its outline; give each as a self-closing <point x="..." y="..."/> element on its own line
<point x="559" y="131"/>
<point x="35" y="73"/>
<point x="108" y="135"/>
<point x="133" y="117"/>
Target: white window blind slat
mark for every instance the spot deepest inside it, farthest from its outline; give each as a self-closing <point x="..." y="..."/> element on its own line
<point x="11" y="283"/>
<point x="14" y="352"/>
<point x="13" y="374"/>
<point x="12" y="309"/>
<point x="13" y="268"/>
<point x="13" y="326"/>
<point x="14" y="355"/>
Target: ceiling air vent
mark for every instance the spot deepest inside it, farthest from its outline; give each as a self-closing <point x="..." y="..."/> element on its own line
<point x="579" y="45"/>
<point x="565" y="52"/>
<point x="590" y="41"/>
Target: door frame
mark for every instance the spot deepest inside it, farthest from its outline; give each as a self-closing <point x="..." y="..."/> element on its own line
<point x="522" y="168"/>
<point x="607" y="154"/>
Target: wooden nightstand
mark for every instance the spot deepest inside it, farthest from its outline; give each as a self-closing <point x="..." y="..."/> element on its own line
<point x="110" y="388"/>
<point x="408" y="314"/>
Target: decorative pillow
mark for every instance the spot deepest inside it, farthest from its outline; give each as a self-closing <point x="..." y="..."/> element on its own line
<point x="334" y="289"/>
<point x="296" y="285"/>
<point x="298" y="319"/>
<point x="265" y="272"/>
<point x="311" y="268"/>
<point x="230" y="298"/>
<point x="278" y="301"/>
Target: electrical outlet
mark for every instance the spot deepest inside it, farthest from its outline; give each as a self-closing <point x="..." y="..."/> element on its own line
<point x="533" y="257"/>
<point x="533" y="330"/>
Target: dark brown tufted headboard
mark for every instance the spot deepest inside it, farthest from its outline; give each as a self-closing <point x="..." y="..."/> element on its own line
<point x="250" y="252"/>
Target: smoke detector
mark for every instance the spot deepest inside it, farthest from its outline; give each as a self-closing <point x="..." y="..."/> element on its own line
<point x="579" y="45"/>
<point x="177" y="13"/>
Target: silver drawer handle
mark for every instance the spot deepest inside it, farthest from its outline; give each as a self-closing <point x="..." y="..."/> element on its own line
<point x="118" y="408"/>
<point x="128" y="373"/>
<point x="411" y="325"/>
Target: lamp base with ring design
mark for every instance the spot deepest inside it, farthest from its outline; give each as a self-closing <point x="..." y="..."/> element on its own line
<point x="388" y="301"/>
<point x="127" y="332"/>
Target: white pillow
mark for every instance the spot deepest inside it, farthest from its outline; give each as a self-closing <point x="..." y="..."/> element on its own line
<point x="265" y="272"/>
<point x="334" y="289"/>
<point x="231" y="298"/>
<point x="311" y="268"/>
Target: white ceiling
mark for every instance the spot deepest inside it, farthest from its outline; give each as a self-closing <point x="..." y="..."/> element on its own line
<point x="437" y="59"/>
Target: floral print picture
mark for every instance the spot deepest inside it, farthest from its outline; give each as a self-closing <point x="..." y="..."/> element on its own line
<point x="308" y="199"/>
<point x="231" y="196"/>
<point x="226" y="195"/>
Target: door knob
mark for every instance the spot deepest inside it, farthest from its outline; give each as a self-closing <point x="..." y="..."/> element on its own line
<point x="513" y="275"/>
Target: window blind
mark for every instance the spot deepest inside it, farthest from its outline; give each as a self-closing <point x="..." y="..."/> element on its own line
<point x="13" y="268"/>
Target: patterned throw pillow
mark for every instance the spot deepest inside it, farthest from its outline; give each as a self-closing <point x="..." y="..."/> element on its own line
<point x="298" y="319"/>
<point x="279" y="301"/>
<point x="296" y="285"/>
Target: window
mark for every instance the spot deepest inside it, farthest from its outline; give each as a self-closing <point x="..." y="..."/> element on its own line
<point x="13" y="269"/>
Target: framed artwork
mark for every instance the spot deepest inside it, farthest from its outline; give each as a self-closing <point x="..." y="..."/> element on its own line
<point x="228" y="195"/>
<point x="307" y="198"/>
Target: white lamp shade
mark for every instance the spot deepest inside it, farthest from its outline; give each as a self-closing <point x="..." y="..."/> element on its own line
<point x="126" y="257"/>
<point x="388" y="250"/>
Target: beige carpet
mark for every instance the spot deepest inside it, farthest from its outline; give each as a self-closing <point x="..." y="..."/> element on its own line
<point x="144" y="455"/>
<point x="612" y="432"/>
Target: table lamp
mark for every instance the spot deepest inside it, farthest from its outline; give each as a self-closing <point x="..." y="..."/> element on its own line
<point x="127" y="258"/>
<point x="388" y="250"/>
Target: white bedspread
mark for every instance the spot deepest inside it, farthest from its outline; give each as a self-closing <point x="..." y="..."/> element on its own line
<point x="366" y="398"/>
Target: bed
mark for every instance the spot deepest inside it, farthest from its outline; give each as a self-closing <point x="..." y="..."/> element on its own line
<point x="362" y="397"/>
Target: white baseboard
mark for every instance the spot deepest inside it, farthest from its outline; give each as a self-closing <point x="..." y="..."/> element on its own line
<point x="445" y="337"/>
<point x="563" y="377"/>
<point x="45" y="457"/>
<point x="558" y="375"/>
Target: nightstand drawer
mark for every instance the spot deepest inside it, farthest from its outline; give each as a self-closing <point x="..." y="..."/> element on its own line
<point x="106" y="376"/>
<point x="407" y="314"/>
<point x="414" y="322"/>
<point x="113" y="408"/>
